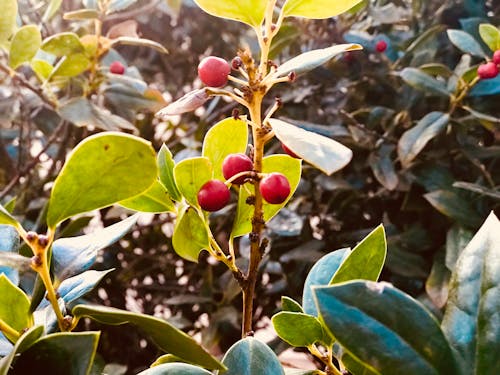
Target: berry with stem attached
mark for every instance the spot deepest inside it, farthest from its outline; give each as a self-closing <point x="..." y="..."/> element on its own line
<point x="117" y="67"/>
<point x="274" y="188"/>
<point x="213" y="71"/>
<point x="487" y="71"/>
<point x="234" y="164"/>
<point x="213" y="196"/>
<point x="381" y="46"/>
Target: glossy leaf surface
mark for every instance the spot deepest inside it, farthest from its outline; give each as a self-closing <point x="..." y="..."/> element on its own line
<point x="490" y="35"/>
<point x="103" y="169"/>
<point x="423" y="81"/>
<point x="166" y="166"/>
<point x="14" y="307"/>
<point x="250" y="12"/>
<point x="7" y="218"/>
<point x="165" y="335"/>
<point x="317" y="9"/>
<point x="298" y="329"/>
<point x="155" y="200"/>
<point x="190" y="175"/>
<point x="288" y="304"/>
<point x="466" y="43"/>
<point x="175" y="369"/>
<point x="190" y="235"/>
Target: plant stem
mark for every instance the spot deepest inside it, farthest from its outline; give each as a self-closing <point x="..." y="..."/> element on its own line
<point x="6" y="328"/>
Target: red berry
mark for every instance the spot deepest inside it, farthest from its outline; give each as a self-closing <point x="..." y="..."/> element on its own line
<point x="381" y="46"/>
<point x="496" y="57"/>
<point x="234" y="164"/>
<point x="289" y="152"/>
<point x="213" y="71"/>
<point x="275" y="188"/>
<point x="487" y="71"/>
<point x="117" y="67"/>
<point x="213" y="195"/>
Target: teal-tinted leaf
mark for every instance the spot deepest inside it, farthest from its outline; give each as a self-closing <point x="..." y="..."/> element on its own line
<point x="298" y="329"/>
<point x="378" y="325"/>
<point x="485" y="119"/>
<point x="24" y="342"/>
<point x="81" y="112"/>
<point x="10" y="261"/>
<point x="490" y="35"/>
<point x="5" y="350"/>
<point x="466" y="43"/>
<point x="25" y="43"/>
<point x="321" y="274"/>
<point x="317" y="9"/>
<point x="51" y="10"/>
<point x="355" y="366"/>
<point x="312" y="59"/>
<point x="229" y="136"/>
<point x="73" y="255"/>
<point x="101" y="170"/>
<point x="190" y="235"/>
<point x="166" y="166"/>
<point x="486" y="87"/>
<point x="454" y="206"/>
<point x="175" y="369"/>
<point x="118" y="5"/>
<point x="250" y="357"/>
<point x="288" y="166"/>
<point x="63" y="44"/>
<point x="424" y="82"/>
<point x="250" y="12"/>
<point x="59" y="353"/>
<point x="7" y="20"/>
<point x="457" y="239"/>
<point x="155" y="200"/>
<point x="293" y="371"/>
<point x="324" y="153"/>
<point x="382" y="165"/>
<point x="190" y="175"/>
<point x="14" y="307"/>
<point x="288" y="304"/>
<point x="366" y="260"/>
<point x="165" y="335"/>
<point x="7" y="218"/>
<point x="469" y="321"/>
<point x="476" y="188"/>
<point x="413" y="141"/>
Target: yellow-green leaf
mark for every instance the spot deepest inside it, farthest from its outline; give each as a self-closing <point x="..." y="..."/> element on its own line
<point x="317" y="9"/>
<point x="155" y="200"/>
<point x="7" y="19"/>
<point x="24" y="45"/>
<point x="251" y="12"/>
<point x="190" y="235"/>
<point x="14" y="307"/>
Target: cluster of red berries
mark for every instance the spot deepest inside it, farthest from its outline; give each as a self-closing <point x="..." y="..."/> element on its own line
<point x="490" y="69"/>
<point x="214" y="194"/>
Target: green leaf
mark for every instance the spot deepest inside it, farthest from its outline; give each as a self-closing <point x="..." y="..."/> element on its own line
<point x="476" y="188"/>
<point x="59" y="353"/>
<point x="81" y="14"/>
<point x="7" y="218"/>
<point x="288" y="304"/>
<point x="24" y="342"/>
<point x="189" y="102"/>
<point x="413" y="141"/>
<point x="317" y="9"/>
<point x="470" y="321"/>
<point x="355" y="366"/>
<point x="63" y="44"/>
<point x="321" y="274"/>
<point x="82" y="112"/>
<point x="14" y="307"/>
<point x="175" y="369"/>
<point x="424" y="82"/>
<point x="166" y="336"/>
<point x="155" y="200"/>
<point x="457" y="239"/>
<point x="24" y="45"/>
<point x="385" y="329"/>
<point x="190" y="175"/>
<point x="166" y="358"/>
<point x="42" y="69"/>
<point x="250" y="357"/>
<point x="324" y="153"/>
<point x="51" y="10"/>
<point x="130" y="41"/>
<point x="101" y="170"/>
<point x="436" y="284"/>
<point x="298" y="329"/>
<point x="366" y="260"/>
<point x="309" y="60"/>
<point x="229" y="136"/>
<point x="288" y="166"/>
<point x="166" y="166"/>
<point x="383" y="168"/>
<point x="251" y="12"/>
<point x="190" y="235"/>
<point x="490" y="35"/>
<point x="466" y="43"/>
<point x="450" y="204"/>
<point x="71" y="65"/>
<point x="7" y="20"/>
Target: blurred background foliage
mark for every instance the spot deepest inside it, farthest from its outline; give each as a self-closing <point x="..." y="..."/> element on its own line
<point x="430" y="199"/>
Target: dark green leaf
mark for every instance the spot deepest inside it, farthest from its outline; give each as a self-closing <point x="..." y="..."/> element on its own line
<point x="298" y="329"/>
<point x="366" y="260"/>
<point x="466" y="43"/>
<point x="190" y="175"/>
<point x="58" y="354"/>
<point x="155" y="200"/>
<point x="166" y="166"/>
<point x="382" y="166"/>
<point x="486" y="87"/>
<point x="356" y="367"/>
<point x="422" y="81"/>
<point x="229" y="136"/>
<point x="385" y="329"/>
<point x="165" y="335"/>
<point x="413" y="141"/>
<point x="14" y="307"/>
<point x="24" y="342"/>
<point x="476" y="188"/>
<point x="103" y="169"/>
<point x="250" y="357"/>
<point x="190" y="235"/>
<point x="288" y="304"/>
<point x="436" y="284"/>
<point x="454" y="206"/>
<point x="469" y="321"/>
